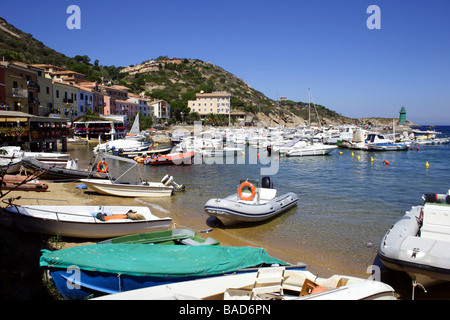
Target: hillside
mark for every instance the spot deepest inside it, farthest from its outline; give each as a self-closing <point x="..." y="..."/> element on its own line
<point x="174" y="80"/>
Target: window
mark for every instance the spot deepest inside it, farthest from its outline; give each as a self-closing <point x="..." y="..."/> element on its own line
<point x="57" y="93"/>
<point x="81" y="96"/>
<point x="48" y="90"/>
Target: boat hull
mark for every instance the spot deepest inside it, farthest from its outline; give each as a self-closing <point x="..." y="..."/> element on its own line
<point x="151" y="189"/>
<point x="229" y="210"/>
<point x="406" y="248"/>
<point x="311" y="151"/>
<point x="51" y="172"/>
<point x="81" y="221"/>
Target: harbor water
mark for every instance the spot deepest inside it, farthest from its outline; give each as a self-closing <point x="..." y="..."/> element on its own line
<point x="347" y="199"/>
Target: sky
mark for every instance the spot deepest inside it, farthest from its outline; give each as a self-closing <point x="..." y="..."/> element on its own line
<point x="280" y="48"/>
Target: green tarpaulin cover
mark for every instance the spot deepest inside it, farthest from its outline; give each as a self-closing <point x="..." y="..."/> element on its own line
<point x="154" y="260"/>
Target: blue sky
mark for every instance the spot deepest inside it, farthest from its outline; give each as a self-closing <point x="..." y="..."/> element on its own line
<point x="280" y="48"/>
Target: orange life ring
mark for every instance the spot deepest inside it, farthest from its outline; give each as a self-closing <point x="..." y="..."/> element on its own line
<point x="252" y="187"/>
<point x="102" y="167"/>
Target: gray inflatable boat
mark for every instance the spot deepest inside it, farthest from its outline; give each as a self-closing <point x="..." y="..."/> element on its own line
<point x="252" y="203"/>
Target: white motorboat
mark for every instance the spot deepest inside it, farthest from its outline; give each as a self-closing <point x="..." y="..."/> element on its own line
<point x="419" y="243"/>
<point x="316" y="149"/>
<point x="299" y="148"/>
<point x="274" y="283"/>
<point x="378" y="142"/>
<point x="251" y="203"/>
<point x="86" y="221"/>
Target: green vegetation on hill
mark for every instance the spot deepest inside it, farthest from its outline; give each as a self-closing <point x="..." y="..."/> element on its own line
<point x="175" y="83"/>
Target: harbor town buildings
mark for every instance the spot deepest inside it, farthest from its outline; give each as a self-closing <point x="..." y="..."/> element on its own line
<point x="48" y="91"/>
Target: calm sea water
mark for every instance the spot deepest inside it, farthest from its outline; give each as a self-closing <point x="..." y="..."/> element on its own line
<point x="346" y="202"/>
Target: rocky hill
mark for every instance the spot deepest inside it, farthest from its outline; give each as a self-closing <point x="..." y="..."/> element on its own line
<point x="176" y="80"/>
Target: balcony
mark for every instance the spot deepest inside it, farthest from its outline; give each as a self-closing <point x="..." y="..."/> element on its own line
<point x="66" y="100"/>
<point x="19" y="93"/>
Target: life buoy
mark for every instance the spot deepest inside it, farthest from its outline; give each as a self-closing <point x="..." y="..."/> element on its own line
<point x="252" y="188"/>
<point x="102" y="167"/>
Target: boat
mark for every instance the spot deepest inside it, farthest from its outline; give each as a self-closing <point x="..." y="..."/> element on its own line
<point x="251" y="203"/>
<point x="429" y="137"/>
<point x="166" y="237"/>
<point x="378" y="142"/>
<point x="120" y="146"/>
<point x="130" y="188"/>
<point x="53" y="158"/>
<point x="265" y="284"/>
<point x="302" y="148"/>
<point x="91" y="222"/>
<point x="111" y="187"/>
<point x="11" y="166"/>
<point x="419" y="242"/>
<point x="70" y="172"/>
<point x="171" y="158"/>
<point x="19" y="182"/>
<point x="150" y="151"/>
<point x="111" y="268"/>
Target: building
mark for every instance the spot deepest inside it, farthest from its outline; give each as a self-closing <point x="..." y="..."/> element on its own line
<point x="68" y="75"/>
<point x="127" y="108"/>
<point x="159" y="109"/>
<point x="65" y="100"/>
<point x="21" y="87"/>
<point x="85" y="99"/>
<point x="2" y="88"/>
<point x="111" y="94"/>
<point x="45" y="91"/>
<point x="142" y="102"/>
<point x="216" y="102"/>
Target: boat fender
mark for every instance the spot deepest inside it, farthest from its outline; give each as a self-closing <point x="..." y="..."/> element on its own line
<point x="102" y="166"/>
<point x="252" y="188"/>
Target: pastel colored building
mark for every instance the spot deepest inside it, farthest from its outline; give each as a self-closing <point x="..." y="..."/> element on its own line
<point x="216" y="102"/>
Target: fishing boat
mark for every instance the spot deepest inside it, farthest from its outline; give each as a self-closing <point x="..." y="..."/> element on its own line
<point x="419" y="242"/>
<point x="166" y="237"/>
<point x="21" y="183"/>
<point x="251" y="203"/>
<point x="111" y="268"/>
<point x="92" y="222"/>
<point x="265" y="284"/>
<point x="171" y="158"/>
<point x="70" y="172"/>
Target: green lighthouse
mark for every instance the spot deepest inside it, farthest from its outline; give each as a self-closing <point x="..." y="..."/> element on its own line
<point x="402" y="118"/>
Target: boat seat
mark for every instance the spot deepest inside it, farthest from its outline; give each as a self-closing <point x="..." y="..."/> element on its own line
<point x="267" y="194"/>
<point x="436" y="222"/>
<point x="268" y="280"/>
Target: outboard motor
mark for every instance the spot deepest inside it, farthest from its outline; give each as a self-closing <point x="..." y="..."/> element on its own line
<point x="168" y="180"/>
<point x="267" y="183"/>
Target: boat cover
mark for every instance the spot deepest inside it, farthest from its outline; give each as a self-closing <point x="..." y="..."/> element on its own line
<point x="153" y="260"/>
